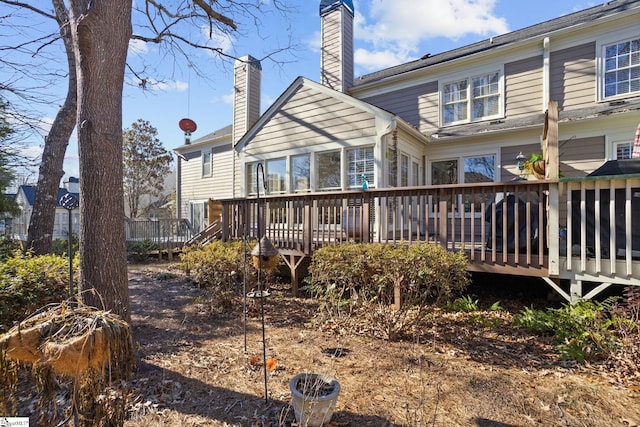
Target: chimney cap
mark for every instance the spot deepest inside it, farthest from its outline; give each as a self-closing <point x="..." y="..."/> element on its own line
<point x="248" y="59"/>
<point x="327" y="6"/>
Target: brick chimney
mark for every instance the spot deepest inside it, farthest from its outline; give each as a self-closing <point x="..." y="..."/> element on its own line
<point x="336" y="58"/>
<point x="246" y="99"/>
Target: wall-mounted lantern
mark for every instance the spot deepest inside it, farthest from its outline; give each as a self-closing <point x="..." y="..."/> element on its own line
<point x="520" y="159"/>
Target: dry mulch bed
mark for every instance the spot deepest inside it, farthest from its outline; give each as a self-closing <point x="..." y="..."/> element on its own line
<point x="460" y="370"/>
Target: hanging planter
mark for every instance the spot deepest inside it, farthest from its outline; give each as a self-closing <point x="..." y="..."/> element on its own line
<point x="536" y="165"/>
<point x="314" y="398"/>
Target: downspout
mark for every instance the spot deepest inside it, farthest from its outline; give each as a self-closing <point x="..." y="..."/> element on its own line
<point x="546" y="74"/>
<point x="380" y="155"/>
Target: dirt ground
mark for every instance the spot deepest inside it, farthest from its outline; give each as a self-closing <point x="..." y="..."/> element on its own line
<point x="200" y="366"/>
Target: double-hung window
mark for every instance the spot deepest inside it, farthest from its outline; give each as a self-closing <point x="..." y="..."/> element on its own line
<point x="360" y="167"/>
<point x="472" y="98"/>
<point x="206" y="163"/>
<point x="621" y="74"/>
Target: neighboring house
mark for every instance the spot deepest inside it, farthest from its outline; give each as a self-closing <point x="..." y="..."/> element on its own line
<point x="25" y="198"/>
<point x="454" y="117"/>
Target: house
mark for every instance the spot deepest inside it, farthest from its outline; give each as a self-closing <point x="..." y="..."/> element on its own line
<point x="464" y="117"/>
<point x="25" y="198"/>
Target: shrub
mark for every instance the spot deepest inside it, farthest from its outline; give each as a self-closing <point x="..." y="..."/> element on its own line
<point x="355" y="280"/>
<point x="220" y="267"/>
<point x="29" y="282"/>
<point x="139" y="250"/>
<point x="61" y="246"/>
<point x="581" y="332"/>
<point x="7" y="247"/>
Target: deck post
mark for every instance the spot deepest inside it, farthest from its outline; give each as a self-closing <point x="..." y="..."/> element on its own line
<point x="365" y="222"/>
<point x="552" y="163"/>
<point x="307" y="226"/>
<point x="226" y="223"/>
<point x="442" y="220"/>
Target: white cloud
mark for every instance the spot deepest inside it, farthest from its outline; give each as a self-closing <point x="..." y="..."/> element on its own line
<point x="168" y="86"/>
<point x="218" y="40"/>
<point x="138" y="46"/>
<point x="376" y="60"/>
<point x="402" y="25"/>
<point x="228" y="98"/>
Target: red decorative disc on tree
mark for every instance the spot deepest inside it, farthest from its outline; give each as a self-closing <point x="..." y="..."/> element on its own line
<point x="187" y="125"/>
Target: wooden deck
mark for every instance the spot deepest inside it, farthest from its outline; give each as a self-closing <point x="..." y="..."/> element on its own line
<point x="542" y="229"/>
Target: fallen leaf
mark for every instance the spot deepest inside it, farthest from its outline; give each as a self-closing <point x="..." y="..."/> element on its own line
<point x="271" y="364"/>
<point x="254" y="360"/>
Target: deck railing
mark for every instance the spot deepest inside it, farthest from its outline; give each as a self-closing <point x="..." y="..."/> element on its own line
<point x="496" y="224"/>
<point x="602" y="228"/>
<point x="165" y="233"/>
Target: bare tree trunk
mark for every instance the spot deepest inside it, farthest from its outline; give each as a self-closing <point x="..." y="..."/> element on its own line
<point x="42" y="220"/>
<point x="101" y="30"/>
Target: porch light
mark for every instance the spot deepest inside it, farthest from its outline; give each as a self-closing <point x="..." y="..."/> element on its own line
<point x="520" y="158"/>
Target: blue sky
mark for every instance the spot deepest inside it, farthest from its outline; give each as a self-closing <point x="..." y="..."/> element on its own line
<point x="386" y="33"/>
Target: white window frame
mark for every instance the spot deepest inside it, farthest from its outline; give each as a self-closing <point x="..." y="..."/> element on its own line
<point x="460" y="174"/>
<point x="316" y="169"/>
<point x="273" y="178"/>
<point x="207" y="164"/>
<point x="468" y="77"/>
<point x="617" y="144"/>
<point x="370" y="172"/>
<point x="295" y="177"/>
<point x="601" y="46"/>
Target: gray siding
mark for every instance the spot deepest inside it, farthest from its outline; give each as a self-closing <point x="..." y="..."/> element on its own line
<point x="508" y="158"/>
<point x="581" y="156"/>
<point x="523" y="87"/>
<point x="573" y="73"/>
<point x="311" y="118"/>
<point x="417" y="105"/>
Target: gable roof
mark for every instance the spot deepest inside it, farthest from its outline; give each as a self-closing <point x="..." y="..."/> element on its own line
<point x="561" y="23"/>
<point x="393" y="119"/>
<point x="216" y="136"/>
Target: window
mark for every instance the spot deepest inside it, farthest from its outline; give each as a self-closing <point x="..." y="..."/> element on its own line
<point x="328" y="170"/>
<point x="444" y="172"/>
<point x="471" y="99"/>
<point x="415" y="170"/>
<point x="479" y="169"/>
<point x="275" y="174"/>
<point x="251" y="176"/>
<point x="359" y="162"/>
<point x="622" y="68"/>
<point x="300" y="173"/>
<point x="206" y="163"/>
<point x="404" y="170"/>
<point x="475" y="169"/>
<point x="623" y="150"/>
